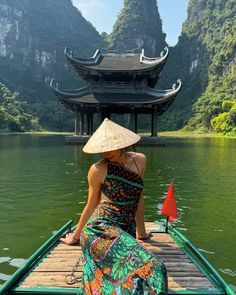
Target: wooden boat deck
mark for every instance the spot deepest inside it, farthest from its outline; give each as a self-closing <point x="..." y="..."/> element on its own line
<point x="183" y="274"/>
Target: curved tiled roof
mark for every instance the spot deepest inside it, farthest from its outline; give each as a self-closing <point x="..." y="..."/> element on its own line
<point x="117" y="62"/>
<point x="145" y="96"/>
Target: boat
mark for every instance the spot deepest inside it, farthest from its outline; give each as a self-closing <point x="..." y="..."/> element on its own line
<point x="54" y="268"/>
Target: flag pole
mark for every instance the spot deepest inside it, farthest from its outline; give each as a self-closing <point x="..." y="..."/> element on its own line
<point x="166" y="227"/>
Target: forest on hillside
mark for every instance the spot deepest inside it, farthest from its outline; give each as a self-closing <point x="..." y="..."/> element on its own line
<point x="215" y="109"/>
<point x="204" y="59"/>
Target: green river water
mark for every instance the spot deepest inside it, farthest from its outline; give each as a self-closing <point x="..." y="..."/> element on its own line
<point x="43" y="184"/>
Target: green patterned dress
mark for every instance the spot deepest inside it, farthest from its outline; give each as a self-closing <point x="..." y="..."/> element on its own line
<point x="113" y="261"/>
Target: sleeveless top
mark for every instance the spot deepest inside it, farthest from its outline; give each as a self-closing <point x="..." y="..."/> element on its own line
<point x="122" y="185"/>
<point x="123" y="189"/>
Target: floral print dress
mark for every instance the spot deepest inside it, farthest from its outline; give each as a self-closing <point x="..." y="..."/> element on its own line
<point x="113" y="261"/>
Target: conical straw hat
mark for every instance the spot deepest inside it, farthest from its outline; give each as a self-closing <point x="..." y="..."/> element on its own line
<point x="109" y="137"/>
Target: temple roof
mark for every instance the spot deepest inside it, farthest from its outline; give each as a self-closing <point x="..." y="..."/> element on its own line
<point x="118" y="81"/>
<point x="144" y="96"/>
<point x="113" y="62"/>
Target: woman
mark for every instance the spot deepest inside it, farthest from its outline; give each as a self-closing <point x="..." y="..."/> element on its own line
<point x="113" y="261"/>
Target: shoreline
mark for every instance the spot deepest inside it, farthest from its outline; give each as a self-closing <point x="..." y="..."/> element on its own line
<point x="166" y="134"/>
<point x="37" y="133"/>
<point x="182" y="134"/>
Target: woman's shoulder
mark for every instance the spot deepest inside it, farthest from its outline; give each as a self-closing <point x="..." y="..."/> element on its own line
<point x="140" y="157"/>
<point x="99" y="165"/>
<point x="140" y="160"/>
<point x="98" y="169"/>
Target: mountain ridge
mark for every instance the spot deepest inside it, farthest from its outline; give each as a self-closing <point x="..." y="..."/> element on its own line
<point x="33" y="37"/>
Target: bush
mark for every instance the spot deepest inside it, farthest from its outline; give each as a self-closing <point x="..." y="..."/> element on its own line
<point x="221" y="123"/>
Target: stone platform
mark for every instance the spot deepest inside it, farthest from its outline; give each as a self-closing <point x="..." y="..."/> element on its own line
<point x="145" y="140"/>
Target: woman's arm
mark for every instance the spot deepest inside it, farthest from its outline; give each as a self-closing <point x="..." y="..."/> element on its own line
<point x="139" y="217"/>
<point x="94" y="194"/>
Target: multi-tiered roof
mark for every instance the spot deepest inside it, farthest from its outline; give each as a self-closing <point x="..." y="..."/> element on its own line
<point x="117" y="83"/>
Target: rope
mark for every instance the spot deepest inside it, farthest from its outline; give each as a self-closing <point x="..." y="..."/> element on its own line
<point x="71" y="279"/>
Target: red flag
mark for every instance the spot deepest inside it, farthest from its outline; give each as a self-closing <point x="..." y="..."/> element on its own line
<point x="169" y="207"/>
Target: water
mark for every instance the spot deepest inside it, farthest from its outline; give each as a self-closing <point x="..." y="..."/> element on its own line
<point x="43" y="184"/>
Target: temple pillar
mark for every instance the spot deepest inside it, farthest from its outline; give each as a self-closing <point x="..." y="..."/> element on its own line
<point x="132" y="119"/>
<point x="88" y="124"/>
<point x="82" y="123"/>
<point x="99" y="111"/>
<point x="154" y="122"/>
<point x="91" y="123"/>
<point x="77" y="121"/>
<point x="135" y="121"/>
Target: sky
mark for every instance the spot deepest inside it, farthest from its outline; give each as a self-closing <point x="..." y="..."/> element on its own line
<point x="103" y="13"/>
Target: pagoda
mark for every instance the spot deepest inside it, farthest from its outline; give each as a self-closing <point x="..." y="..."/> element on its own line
<point x="117" y="83"/>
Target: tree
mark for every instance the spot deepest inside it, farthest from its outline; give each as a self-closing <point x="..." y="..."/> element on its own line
<point x="12" y="114"/>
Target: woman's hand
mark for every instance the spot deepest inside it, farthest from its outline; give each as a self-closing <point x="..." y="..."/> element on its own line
<point x="70" y="239"/>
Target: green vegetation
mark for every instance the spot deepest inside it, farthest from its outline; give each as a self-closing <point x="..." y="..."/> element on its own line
<point x="138" y="26"/>
<point x="216" y="108"/>
<point x="205" y="60"/>
<point x="19" y="116"/>
<point x="53" y="116"/>
<point x="195" y="134"/>
<point x="13" y="117"/>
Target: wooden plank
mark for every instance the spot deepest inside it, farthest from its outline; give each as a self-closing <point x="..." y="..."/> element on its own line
<point x="146" y="245"/>
<point x="171" y="273"/>
<point x="49" y="283"/>
<point x="67" y="247"/>
<point x="63" y="273"/>
<point x="74" y="255"/>
<point x="72" y="260"/>
<point x="159" y="244"/>
<point x="165" y="246"/>
<point x="152" y="249"/>
<point x="59" y="279"/>
<point x="160" y="237"/>
<point x="173" y="286"/>
<point x="175" y="274"/>
<point x="161" y="252"/>
<point x="177" y="260"/>
<point x="58" y="276"/>
<point x="191" y="286"/>
<point x="58" y="267"/>
<point x="67" y="255"/>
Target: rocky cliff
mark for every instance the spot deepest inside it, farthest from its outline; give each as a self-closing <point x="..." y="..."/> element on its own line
<point x="138" y="26"/>
<point x="205" y="58"/>
<point x="33" y="35"/>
